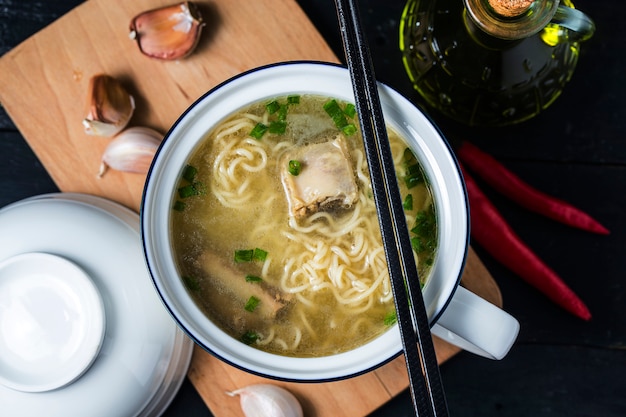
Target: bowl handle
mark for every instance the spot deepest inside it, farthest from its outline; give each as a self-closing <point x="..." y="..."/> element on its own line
<point x="477" y="326"/>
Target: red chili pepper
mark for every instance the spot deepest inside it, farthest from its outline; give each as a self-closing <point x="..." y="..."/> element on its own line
<point x="493" y="233"/>
<point x="510" y="185"/>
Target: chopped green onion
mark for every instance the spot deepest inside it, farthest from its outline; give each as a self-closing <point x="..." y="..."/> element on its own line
<point x="244" y="255"/>
<point x="272" y="107"/>
<point x="350" y="110"/>
<point x="339" y="116"/>
<point x="420" y="244"/>
<point x="249" y="255"/>
<point x="332" y="107"/>
<point x="417" y="244"/>
<point x="413" y="176"/>
<point x="295" y="167"/>
<point x="191" y="283"/>
<point x="408" y="202"/>
<point x="187" y="191"/>
<point x="425" y="231"/>
<point x="334" y="111"/>
<point x="409" y="157"/>
<point x="189" y="173"/>
<point x="413" y="172"/>
<point x="252" y="303"/>
<point x="258" y="131"/>
<point x="282" y="112"/>
<point x="191" y="190"/>
<point x="249" y="337"/>
<point x="390" y="319"/>
<point x="349" y="129"/>
<point x="294" y="99"/>
<point x="414" y="169"/>
<point x="424" y="224"/>
<point x="278" y="127"/>
<point x="179" y="205"/>
<point x="340" y="121"/>
<point x="253" y="278"/>
<point x="259" y="254"/>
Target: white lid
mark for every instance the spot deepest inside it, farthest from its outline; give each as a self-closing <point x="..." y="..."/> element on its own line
<point x="51" y="322"/>
<point x="142" y="357"/>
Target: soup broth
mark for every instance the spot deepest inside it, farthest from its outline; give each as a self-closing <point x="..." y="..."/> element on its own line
<point x="275" y="232"/>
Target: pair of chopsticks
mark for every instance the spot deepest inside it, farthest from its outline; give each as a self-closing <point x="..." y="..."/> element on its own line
<point x="425" y="381"/>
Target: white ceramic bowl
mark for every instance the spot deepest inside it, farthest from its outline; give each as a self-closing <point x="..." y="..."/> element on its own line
<point x="279" y="80"/>
<point x="82" y="330"/>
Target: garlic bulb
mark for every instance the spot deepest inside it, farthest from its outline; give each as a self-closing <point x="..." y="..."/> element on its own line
<point x="266" y="400"/>
<point x="169" y="32"/>
<point x="109" y="106"/>
<point x="131" y="151"/>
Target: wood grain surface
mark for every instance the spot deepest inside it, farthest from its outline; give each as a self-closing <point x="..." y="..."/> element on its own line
<point x="43" y="86"/>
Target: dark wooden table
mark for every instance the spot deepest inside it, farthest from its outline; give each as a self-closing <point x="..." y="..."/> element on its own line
<point x="576" y="150"/>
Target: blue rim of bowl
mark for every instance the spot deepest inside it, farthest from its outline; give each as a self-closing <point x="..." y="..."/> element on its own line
<point x="173" y="313"/>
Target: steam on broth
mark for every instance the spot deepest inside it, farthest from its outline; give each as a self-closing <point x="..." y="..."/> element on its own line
<point x="275" y="232"/>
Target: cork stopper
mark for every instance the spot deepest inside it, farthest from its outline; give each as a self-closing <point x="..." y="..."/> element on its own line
<point x="510" y="8"/>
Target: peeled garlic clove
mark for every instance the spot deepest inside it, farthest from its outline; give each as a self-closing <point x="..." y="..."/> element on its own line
<point x="131" y="151"/>
<point x="266" y="400"/>
<point x="109" y="106"/>
<point x="169" y="32"/>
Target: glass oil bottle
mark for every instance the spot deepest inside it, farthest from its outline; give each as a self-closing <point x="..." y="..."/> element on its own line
<point x="491" y="62"/>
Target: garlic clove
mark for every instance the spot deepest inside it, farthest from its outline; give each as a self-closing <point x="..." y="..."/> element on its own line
<point x="131" y="151"/>
<point x="266" y="400"/>
<point x="168" y="33"/>
<point x="109" y="106"/>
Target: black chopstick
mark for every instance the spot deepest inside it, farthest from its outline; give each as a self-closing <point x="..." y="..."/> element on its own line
<point x="424" y="379"/>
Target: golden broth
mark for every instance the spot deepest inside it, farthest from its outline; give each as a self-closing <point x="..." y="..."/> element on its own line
<point x="314" y="286"/>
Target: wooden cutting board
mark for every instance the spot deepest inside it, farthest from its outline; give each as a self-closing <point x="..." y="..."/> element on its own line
<point x="43" y="81"/>
<point x="43" y="86"/>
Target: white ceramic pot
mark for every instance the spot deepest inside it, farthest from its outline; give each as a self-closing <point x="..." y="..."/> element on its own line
<point x="433" y="153"/>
